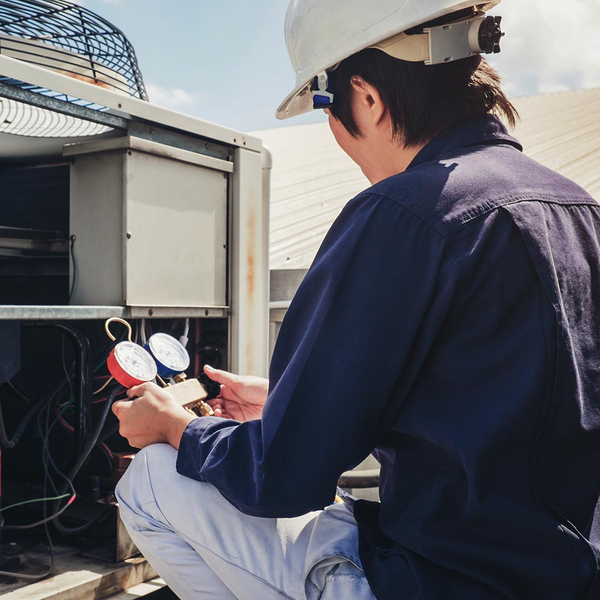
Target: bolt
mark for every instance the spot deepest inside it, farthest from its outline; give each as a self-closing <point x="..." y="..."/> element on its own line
<point x="151" y="130"/>
<point x="73" y="238"/>
<point x="129" y="235"/>
<point x="206" y="313"/>
<point x="150" y="312"/>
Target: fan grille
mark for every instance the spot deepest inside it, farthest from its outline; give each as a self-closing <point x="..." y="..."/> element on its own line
<point x="70" y="39"/>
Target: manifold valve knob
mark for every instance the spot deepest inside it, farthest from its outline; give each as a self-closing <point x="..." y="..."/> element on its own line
<point x="490" y="35"/>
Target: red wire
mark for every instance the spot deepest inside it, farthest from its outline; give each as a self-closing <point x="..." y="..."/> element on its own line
<point x="107" y="450"/>
<point x="16" y="391"/>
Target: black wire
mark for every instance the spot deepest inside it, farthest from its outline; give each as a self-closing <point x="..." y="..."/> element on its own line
<point x="45" y="435"/>
<point x="49" y="461"/>
<point x="44" y="521"/>
<point x="72" y="253"/>
<point x="34" y="410"/>
<point x="77" y="466"/>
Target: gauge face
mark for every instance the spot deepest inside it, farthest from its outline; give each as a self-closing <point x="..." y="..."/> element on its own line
<point x="135" y="361"/>
<point x="169" y="352"/>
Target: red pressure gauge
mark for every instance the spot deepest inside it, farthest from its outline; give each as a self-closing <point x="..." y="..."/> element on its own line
<point x="129" y="363"/>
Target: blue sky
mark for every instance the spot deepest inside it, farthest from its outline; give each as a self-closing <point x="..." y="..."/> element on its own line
<point x="226" y="62"/>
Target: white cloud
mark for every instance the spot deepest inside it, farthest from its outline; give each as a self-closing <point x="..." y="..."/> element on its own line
<point x="550" y="45"/>
<point x="175" y="98"/>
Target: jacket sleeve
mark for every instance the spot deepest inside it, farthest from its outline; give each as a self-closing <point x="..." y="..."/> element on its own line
<point x="351" y="344"/>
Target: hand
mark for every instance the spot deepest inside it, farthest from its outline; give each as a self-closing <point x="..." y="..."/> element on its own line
<point x="242" y="397"/>
<point x="152" y="417"/>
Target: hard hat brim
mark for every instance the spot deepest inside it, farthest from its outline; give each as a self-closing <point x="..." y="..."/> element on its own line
<point x="297" y="103"/>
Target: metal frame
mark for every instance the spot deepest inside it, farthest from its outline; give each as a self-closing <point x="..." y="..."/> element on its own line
<point x="26" y="96"/>
<point x="249" y="202"/>
<point x="121" y="105"/>
<point x="249" y="264"/>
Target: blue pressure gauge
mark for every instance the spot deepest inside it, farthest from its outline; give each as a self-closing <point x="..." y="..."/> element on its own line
<point x="170" y="355"/>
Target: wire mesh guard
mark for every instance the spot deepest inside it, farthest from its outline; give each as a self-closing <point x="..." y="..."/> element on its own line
<point x="71" y="40"/>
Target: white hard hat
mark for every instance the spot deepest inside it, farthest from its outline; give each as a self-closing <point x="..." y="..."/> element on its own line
<point x="319" y="34"/>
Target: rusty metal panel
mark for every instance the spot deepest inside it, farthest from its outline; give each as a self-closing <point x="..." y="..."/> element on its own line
<point x="249" y="267"/>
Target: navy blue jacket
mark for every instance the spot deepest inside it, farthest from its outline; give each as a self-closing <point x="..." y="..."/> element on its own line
<point x="448" y="323"/>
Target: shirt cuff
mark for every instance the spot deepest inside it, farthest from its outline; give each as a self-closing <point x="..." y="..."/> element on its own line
<point x="189" y="456"/>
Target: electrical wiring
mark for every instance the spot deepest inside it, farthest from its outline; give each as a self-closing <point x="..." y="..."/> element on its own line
<point x="72" y="496"/>
<point x="74" y="262"/>
<point x="104" y="386"/>
<point x="35" y="408"/>
<point x="55" y="414"/>
<point x="52" y="410"/>
<point x="34" y="500"/>
<point x="101" y="445"/>
<point x="77" y="466"/>
<point x="11" y="385"/>
<point x="45" y="520"/>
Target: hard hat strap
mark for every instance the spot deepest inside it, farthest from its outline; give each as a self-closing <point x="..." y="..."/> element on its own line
<point x="322" y="91"/>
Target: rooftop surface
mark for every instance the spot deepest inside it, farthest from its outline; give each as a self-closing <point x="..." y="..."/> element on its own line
<point x="313" y="178"/>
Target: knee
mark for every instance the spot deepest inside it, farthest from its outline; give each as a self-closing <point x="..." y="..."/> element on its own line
<point x="149" y="465"/>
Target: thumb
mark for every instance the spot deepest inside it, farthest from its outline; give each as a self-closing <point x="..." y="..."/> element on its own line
<point x="223" y="377"/>
<point x="119" y="406"/>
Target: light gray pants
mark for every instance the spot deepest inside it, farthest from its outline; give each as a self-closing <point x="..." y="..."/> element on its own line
<point x="204" y="548"/>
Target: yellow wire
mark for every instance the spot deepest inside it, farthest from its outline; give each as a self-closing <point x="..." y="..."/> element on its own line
<point x="103" y="387"/>
<point x="117" y="320"/>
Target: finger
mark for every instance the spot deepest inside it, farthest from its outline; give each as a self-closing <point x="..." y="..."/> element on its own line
<point x="119" y="406"/>
<point x="138" y="390"/>
<point x="133" y="392"/>
<point x="223" y="377"/>
<point x="219" y="412"/>
<point x="215" y="403"/>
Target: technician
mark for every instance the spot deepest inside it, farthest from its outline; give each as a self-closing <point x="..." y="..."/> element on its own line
<point x="448" y="324"/>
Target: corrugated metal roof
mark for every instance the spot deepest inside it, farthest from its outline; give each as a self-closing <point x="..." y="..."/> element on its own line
<point x="313" y="178"/>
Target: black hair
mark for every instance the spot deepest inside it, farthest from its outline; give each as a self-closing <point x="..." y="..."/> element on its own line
<point x="422" y="100"/>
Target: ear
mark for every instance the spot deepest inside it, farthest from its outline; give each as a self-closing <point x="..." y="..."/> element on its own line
<point x="368" y="100"/>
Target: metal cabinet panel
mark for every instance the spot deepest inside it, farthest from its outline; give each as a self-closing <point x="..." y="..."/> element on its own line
<point x="176" y="233"/>
<point x="150" y="226"/>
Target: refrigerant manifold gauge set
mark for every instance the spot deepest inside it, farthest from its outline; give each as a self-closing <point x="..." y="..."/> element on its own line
<point x="163" y="357"/>
<point x="132" y="364"/>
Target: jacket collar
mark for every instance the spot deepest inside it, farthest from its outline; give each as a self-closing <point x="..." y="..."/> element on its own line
<point x="488" y="130"/>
